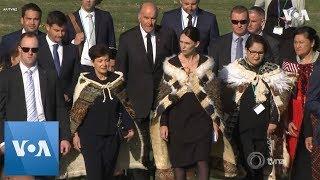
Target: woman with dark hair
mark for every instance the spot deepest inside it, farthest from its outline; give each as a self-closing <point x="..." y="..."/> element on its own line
<point x="300" y="131"/>
<point x="261" y="89"/>
<point x="100" y="117"/>
<point x="188" y="108"/>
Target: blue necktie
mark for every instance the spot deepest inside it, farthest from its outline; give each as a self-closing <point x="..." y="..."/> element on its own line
<point x="239" y="50"/>
<point x="56" y="58"/>
<point x="31" y="98"/>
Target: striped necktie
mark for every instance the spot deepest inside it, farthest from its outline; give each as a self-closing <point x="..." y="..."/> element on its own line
<point x="30" y="98"/>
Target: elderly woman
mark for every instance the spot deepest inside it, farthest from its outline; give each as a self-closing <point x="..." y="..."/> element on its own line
<point x="188" y="108"/>
<point x="261" y="91"/>
<point x="300" y="131"/>
<point x="100" y="117"/>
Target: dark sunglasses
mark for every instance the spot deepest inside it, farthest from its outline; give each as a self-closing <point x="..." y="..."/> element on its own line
<point x="26" y="49"/>
<point x="241" y="21"/>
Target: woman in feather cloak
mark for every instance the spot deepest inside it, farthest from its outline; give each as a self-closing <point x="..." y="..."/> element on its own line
<point x="185" y="127"/>
<point x="261" y="95"/>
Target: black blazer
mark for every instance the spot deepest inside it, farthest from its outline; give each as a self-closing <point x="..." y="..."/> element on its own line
<point x="273" y="53"/>
<point x="13" y="104"/>
<point x="70" y="67"/>
<point x="103" y="26"/>
<point x="206" y="23"/>
<point x="10" y="41"/>
<point x="220" y="50"/>
<point x="143" y="79"/>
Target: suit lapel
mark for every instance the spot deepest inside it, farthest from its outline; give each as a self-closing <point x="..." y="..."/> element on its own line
<point x="97" y="22"/>
<point x="78" y="20"/>
<point x="157" y="33"/>
<point x="47" y="53"/>
<point x="179" y="19"/>
<point x="43" y="86"/>
<point x="199" y="19"/>
<point x="228" y="50"/>
<point x="140" y="45"/>
<point x="19" y="89"/>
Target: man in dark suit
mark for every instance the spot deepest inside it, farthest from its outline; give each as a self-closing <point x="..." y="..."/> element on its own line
<point x="141" y="53"/>
<point x="191" y="15"/>
<point x="53" y="55"/>
<point x="28" y="92"/>
<point x="30" y="21"/>
<point x="231" y="46"/>
<point x="256" y="24"/>
<point x="90" y="26"/>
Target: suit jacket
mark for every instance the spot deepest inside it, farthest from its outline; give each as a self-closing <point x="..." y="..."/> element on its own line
<point x="220" y="50"/>
<point x="13" y="104"/>
<point x="206" y="23"/>
<point x="143" y="79"/>
<point x="103" y="26"/>
<point x="273" y="54"/>
<point x="10" y="41"/>
<point x="69" y="69"/>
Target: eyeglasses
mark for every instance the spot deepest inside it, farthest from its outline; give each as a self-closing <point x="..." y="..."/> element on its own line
<point x="241" y="21"/>
<point x="27" y="49"/>
<point x="260" y="53"/>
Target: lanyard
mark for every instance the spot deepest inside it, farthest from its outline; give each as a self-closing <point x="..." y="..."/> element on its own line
<point x="279" y="8"/>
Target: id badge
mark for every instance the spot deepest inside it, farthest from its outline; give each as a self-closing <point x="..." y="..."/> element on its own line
<point x="258" y="109"/>
<point x="278" y="30"/>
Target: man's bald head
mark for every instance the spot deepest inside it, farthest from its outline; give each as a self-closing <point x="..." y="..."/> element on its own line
<point x="147" y="16"/>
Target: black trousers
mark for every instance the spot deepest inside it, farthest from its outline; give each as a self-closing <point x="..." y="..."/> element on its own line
<point x="253" y="154"/>
<point x="100" y="155"/>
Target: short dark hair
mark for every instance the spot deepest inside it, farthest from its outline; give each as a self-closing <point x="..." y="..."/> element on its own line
<point x="258" y="10"/>
<point x="56" y="17"/>
<point x="254" y="38"/>
<point x="29" y="35"/>
<point x="310" y="34"/>
<point x="239" y="9"/>
<point x="30" y="6"/>
<point x="99" y="50"/>
<point x="192" y="33"/>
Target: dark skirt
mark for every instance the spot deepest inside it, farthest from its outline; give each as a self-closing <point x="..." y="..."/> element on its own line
<point x="190" y="132"/>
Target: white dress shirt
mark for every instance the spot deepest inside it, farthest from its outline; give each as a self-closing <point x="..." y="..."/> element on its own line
<point x="185" y="19"/>
<point x="234" y="45"/>
<point x="36" y="81"/>
<point x="153" y="41"/>
<point x="85" y="59"/>
<point x="60" y="49"/>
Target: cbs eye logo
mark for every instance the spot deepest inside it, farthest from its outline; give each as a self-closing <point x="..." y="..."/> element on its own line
<point x="39" y="149"/>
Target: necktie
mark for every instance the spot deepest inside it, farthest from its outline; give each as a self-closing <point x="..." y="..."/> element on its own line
<point x="92" y="35"/>
<point x="189" y="20"/>
<point x="239" y="52"/>
<point x="149" y="49"/>
<point x="31" y="99"/>
<point x="56" y="59"/>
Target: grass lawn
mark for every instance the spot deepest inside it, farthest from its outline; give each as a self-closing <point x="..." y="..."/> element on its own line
<point x="124" y="12"/>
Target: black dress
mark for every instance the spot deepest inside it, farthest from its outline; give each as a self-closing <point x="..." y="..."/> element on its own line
<point x="190" y="129"/>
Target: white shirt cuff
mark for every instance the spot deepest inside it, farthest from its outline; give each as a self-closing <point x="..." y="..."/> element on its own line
<point x="72" y="42"/>
<point x="1" y="144"/>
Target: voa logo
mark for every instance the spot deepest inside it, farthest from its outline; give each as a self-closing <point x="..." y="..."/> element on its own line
<point x="40" y="149"/>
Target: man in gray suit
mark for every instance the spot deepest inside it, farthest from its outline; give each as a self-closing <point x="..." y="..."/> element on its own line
<point x="256" y="24"/>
